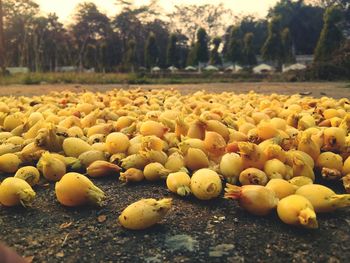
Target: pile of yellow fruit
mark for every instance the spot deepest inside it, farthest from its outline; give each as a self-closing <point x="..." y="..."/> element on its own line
<point x="273" y="146"/>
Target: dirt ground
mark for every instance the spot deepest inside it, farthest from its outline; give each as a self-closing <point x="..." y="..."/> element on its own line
<point x="193" y="231"/>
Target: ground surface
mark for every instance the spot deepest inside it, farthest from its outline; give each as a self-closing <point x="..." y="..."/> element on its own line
<point x="193" y="231"/>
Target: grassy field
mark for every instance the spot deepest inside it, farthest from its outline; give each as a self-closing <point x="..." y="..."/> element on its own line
<point x="139" y="78"/>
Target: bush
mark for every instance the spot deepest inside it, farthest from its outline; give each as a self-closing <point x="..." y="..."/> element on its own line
<point x="328" y="71"/>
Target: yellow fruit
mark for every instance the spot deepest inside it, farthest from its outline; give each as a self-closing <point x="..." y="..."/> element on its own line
<point x="117" y="142"/>
<point x="103" y="128"/>
<point x="9" y="163"/>
<point x="214" y="143"/>
<point x="299" y="181"/>
<point x="132" y="175"/>
<point x="323" y="198"/>
<point x="144" y="213"/>
<point x="298" y="211"/>
<point x="102" y="168"/>
<point x="12" y="121"/>
<point x="153" y="128"/>
<point x="179" y="183"/>
<point x="307" y="145"/>
<point x="196" y="159"/>
<point x="30" y="174"/>
<point x="197" y="130"/>
<point x="330" y="160"/>
<point x="231" y="166"/>
<point x="252" y="155"/>
<point x="206" y="184"/>
<point x="15" y="191"/>
<point x="266" y="131"/>
<point x="134" y="161"/>
<point x="52" y="168"/>
<point x="346" y="167"/>
<point x="155" y="171"/>
<point x="75" y="189"/>
<point x="274" y="151"/>
<point x="73" y="147"/>
<point x="334" y="139"/>
<point x="253" y="176"/>
<point x="282" y="188"/>
<point x="152" y="143"/>
<point x="256" y="199"/>
<point x="218" y="127"/>
<point x="87" y="158"/>
<point x="275" y="169"/>
<point x="175" y="162"/>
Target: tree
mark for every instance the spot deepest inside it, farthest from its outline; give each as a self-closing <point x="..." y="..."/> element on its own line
<point x="215" y="58"/>
<point x="235" y="46"/>
<point x="131" y="23"/>
<point x="172" y="51"/>
<point x="249" y="58"/>
<point x="18" y="31"/>
<point x="272" y="50"/>
<point x="201" y="47"/>
<point x="160" y="29"/>
<point x="209" y="16"/>
<point x="131" y="58"/>
<point x="91" y="29"/>
<point x="247" y="24"/>
<point x="151" y="51"/>
<point x="303" y="20"/>
<point x="287" y="44"/>
<point x="331" y="37"/>
<point x="191" y="57"/>
<point x="2" y="42"/>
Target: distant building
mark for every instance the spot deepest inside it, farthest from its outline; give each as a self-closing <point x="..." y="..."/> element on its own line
<point x="16" y="70"/>
<point x="263" y="68"/>
<point x="296" y="66"/>
<point x="304" y="59"/>
<point x="66" y="69"/>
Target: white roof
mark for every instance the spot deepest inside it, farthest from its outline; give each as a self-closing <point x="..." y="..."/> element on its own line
<point x="14" y="70"/>
<point x="233" y="68"/>
<point x="210" y="67"/>
<point x="238" y="68"/>
<point x="172" y="68"/>
<point x="297" y="66"/>
<point x="190" y="68"/>
<point x="156" y="69"/>
<point x="262" y="67"/>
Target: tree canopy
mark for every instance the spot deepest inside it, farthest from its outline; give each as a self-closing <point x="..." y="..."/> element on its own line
<point x="139" y="36"/>
<point x="331" y="36"/>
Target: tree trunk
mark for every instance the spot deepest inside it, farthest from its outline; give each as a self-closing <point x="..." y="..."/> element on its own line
<point x="2" y="42"/>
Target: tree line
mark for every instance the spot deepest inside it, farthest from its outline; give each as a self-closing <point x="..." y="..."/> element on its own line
<point x="142" y="37"/>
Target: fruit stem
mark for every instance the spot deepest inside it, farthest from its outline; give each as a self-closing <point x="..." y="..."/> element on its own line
<point x="26" y="196"/>
<point x="339" y="201"/>
<point x="307" y="218"/>
<point x="232" y="191"/>
<point x="183" y="191"/>
<point x="95" y="195"/>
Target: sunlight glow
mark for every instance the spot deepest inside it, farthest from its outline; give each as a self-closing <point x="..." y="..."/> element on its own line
<point x="65" y="8"/>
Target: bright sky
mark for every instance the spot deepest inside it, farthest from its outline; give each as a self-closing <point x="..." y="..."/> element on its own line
<point x="65" y="8"/>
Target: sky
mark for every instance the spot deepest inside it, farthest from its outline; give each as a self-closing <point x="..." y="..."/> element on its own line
<point x="65" y="8"/>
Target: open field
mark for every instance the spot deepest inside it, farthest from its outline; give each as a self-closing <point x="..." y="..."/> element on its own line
<point x="317" y="89"/>
<point x="193" y="231"/>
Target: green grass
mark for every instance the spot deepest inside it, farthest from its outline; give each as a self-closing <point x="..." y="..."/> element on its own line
<point x="121" y="78"/>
